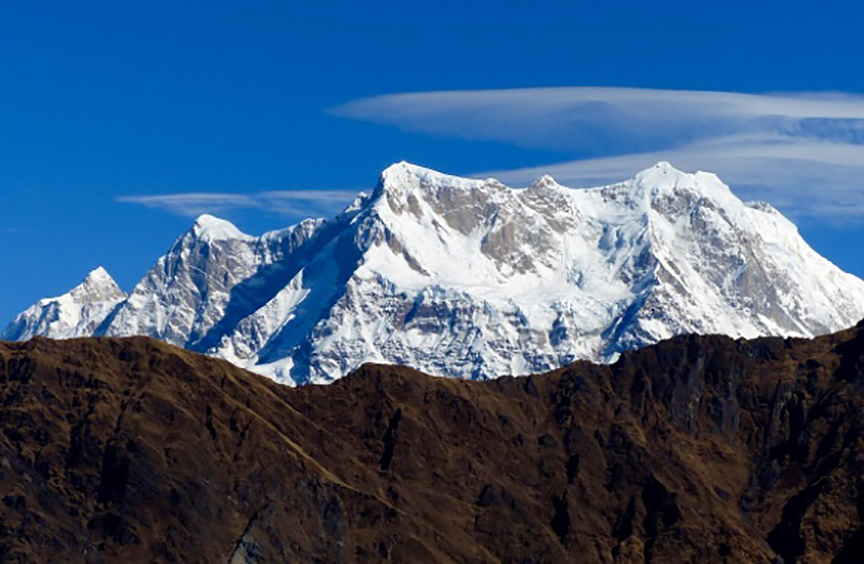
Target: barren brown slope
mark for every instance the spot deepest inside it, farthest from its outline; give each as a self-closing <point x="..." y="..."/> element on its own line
<point x="697" y="449"/>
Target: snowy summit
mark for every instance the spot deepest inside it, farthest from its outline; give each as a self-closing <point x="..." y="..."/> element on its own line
<point x="210" y="228"/>
<point x="78" y="313"/>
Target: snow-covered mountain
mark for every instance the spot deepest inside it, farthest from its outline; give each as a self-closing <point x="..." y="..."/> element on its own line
<point x="472" y="279"/>
<point x="77" y="313"/>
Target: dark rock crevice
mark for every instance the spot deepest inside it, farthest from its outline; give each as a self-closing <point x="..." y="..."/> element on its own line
<point x="561" y="523"/>
<point x="390" y="440"/>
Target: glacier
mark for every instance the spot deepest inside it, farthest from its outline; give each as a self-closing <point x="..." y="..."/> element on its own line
<point x="469" y="278"/>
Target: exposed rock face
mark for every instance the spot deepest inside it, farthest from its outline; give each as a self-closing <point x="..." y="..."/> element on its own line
<point x="198" y="286"/>
<point x="699" y="449"/>
<point x="471" y="279"/>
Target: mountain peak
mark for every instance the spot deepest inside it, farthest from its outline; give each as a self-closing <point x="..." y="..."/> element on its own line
<point x="403" y="174"/>
<point x="404" y="167"/>
<point x="210" y="228"/>
<point x="98" y="276"/>
<point x="662" y="172"/>
<point x="665" y="166"/>
<point x="77" y="313"/>
<point x="663" y="178"/>
<point x="545" y="181"/>
<point x="98" y="285"/>
<point x="404" y="181"/>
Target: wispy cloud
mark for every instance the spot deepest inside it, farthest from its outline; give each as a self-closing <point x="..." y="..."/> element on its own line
<point x="803" y="178"/>
<point x="803" y="152"/>
<point x="293" y="203"/>
<point x="192" y="204"/>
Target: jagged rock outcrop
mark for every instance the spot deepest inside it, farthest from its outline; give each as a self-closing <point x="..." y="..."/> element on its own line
<point x="471" y="279"/>
<point x="698" y="449"/>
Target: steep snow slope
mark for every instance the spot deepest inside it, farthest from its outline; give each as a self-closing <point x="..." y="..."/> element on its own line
<point x="209" y="274"/>
<point x="77" y="313"/>
<point x="469" y="278"/>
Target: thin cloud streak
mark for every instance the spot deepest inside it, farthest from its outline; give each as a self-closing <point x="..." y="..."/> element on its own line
<point x="803" y="152"/>
<point x="803" y="179"/>
<point x="294" y="203"/>
<point x="599" y="118"/>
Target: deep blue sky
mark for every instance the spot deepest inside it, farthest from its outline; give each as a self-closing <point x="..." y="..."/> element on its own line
<point x="101" y="100"/>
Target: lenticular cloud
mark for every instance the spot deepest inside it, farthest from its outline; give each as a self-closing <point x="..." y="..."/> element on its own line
<point x="804" y="152"/>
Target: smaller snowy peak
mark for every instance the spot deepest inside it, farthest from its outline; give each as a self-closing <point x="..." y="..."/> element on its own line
<point x="544" y="182"/>
<point x="76" y="313"/>
<point x="99" y="273"/>
<point x="665" y="189"/>
<point x="210" y="228"/>
<point x="665" y="177"/>
<point x="97" y="286"/>
<point x="662" y="167"/>
<point x="357" y="203"/>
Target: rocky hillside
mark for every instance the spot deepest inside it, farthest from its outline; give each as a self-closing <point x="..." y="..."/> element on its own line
<point x="699" y="449"/>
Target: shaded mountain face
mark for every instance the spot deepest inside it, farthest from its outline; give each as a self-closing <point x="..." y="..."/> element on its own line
<point x="699" y="449"/>
<point x="471" y="279"/>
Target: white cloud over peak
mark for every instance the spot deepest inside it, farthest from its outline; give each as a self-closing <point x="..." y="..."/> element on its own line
<point x="803" y="152"/>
